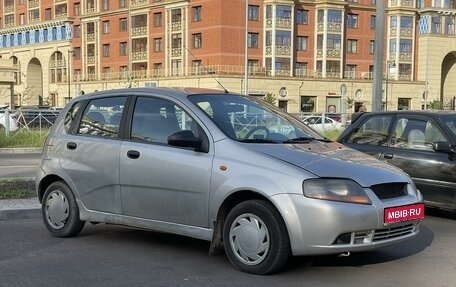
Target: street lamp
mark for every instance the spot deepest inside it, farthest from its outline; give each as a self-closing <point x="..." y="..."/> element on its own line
<point x="70" y="52"/>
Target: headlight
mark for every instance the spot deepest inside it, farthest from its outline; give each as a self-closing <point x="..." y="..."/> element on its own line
<point x="335" y="189"/>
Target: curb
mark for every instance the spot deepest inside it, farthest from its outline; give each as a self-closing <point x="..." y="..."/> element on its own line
<point x="20" y="214"/>
<point x="20" y="150"/>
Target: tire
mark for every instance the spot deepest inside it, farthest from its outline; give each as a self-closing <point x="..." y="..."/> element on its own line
<point x="60" y="211"/>
<point x="255" y="238"/>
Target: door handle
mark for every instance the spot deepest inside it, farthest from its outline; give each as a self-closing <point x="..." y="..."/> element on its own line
<point x="133" y="154"/>
<point x="387" y="156"/>
<point x="72" y="145"/>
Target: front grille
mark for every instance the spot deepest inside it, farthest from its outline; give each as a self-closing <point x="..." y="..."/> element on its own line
<point x="393" y="232"/>
<point x="378" y="235"/>
<point x="390" y="190"/>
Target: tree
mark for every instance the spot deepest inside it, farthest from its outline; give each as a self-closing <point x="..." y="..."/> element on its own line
<point x="270" y="98"/>
<point x="435" y="105"/>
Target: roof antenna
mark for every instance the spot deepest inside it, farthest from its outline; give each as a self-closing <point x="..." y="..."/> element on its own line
<point x="205" y="69"/>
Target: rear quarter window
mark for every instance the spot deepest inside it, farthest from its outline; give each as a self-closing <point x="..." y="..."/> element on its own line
<point x="71" y="116"/>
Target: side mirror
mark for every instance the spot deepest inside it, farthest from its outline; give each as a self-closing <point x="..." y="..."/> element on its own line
<point x="185" y="138"/>
<point x="442" y="147"/>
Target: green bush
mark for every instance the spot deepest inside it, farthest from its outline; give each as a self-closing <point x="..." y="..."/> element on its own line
<point x="23" y="139"/>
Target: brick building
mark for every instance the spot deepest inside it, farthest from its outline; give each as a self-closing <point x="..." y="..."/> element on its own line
<point x="302" y="51"/>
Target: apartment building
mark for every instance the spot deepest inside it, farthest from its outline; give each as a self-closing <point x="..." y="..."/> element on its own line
<point x="313" y="55"/>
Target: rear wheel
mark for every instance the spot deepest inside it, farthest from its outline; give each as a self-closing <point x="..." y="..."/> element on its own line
<point x="255" y="238"/>
<point x="60" y="211"/>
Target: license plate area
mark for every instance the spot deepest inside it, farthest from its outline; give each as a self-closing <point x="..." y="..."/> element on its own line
<point x="403" y="213"/>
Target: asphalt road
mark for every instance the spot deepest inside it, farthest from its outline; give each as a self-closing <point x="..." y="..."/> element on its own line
<point x="14" y="165"/>
<point x="106" y="255"/>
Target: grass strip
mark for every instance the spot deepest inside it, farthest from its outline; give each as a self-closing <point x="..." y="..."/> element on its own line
<point x="17" y="189"/>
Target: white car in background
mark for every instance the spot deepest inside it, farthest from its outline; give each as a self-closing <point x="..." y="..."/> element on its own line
<point x="321" y="124"/>
<point x="12" y="120"/>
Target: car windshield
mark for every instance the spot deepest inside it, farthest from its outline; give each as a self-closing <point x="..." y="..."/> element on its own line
<point x="248" y="119"/>
<point x="450" y="122"/>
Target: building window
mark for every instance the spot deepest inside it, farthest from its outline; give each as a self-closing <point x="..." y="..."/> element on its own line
<point x="197" y="40"/>
<point x="123" y="49"/>
<point x="157" y="19"/>
<point x="77" y="9"/>
<point x="47" y="14"/>
<point x="252" y="40"/>
<point x="158" y="45"/>
<point x="403" y="104"/>
<point x="122" y="3"/>
<point x="77" y="53"/>
<point x="252" y="66"/>
<point x="302" y="17"/>
<point x="176" y="41"/>
<point x="176" y="67"/>
<point x="283" y="12"/>
<point x="372" y="47"/>
<point x="352" y="46"/>
<point x="449" y="26"/>
<point x="158" y="69"/>
<point x="300" y="69"/>
<point x="77" y="31"/>
<point x="197" y="13"/>
<point x="436" y="25"/>
<point x="308" y="104"/>
<point x="372" y="22"/>
<point x="352" y="21"/>
<point x="22" y="19"/>
<point x="139" y="21"/>
<point x="105" y="27"/>
<point x="334" y="41"/>
<point x="106" y="50"/>
<point x="176" y="15"/>
<point x="350" y="72"/>
<point x="405" y="45"/>
<point x="105" y="5"/>
<point x="34" y="15"/>
<point x="301" y="43"/>
<point x="253" y="12"/>
<point x="334" y="16"/>
<point x="123" y="24"/>
<point x="196" y="67"/>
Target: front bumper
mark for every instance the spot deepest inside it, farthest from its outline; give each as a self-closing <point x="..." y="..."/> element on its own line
<point x="328" y="227"/>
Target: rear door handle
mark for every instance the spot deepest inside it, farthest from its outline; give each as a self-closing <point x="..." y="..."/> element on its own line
<point x="387" y="156"/>
<point x="133" y="154"/>
<point x="72" y="145"/>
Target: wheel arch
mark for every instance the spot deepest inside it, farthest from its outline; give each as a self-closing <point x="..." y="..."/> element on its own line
<point x="45" y="183"/>
<point x="227" y="205"/>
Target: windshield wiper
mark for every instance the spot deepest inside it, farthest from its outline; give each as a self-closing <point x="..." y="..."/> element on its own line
<point x="259" y="141"/>
<point x="305" y="140"/>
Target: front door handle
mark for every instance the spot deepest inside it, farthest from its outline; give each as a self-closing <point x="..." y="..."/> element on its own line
<point x="133" y="154"/>
<point x="387" y="156"/>
<point x="72" y="145"/>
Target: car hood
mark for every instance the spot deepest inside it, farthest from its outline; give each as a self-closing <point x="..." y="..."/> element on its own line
<point x="331" y="159"/>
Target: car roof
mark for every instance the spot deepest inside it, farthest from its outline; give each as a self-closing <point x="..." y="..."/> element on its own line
<point x="429" y="113"/>
<point x="175" y="92"/>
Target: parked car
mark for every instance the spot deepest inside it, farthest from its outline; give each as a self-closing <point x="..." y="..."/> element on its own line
<point x="12" y="119"/>
<point x="321" y="124"/>
<point x="205" y="164"/>
<point x="422" y="143"/>
<point x="37" y="116"/>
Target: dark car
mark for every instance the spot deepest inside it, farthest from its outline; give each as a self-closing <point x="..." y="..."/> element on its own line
<point x="422" y="143"/>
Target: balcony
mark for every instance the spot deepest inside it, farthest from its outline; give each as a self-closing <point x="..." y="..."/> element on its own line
<point x="283" y="23"/>
<point x="90" y="37"/>
<point x="90" y="60"/>
<point x="176" y="26"/>
<point x="33" y="4"/>
<point x="176" y="52"/>
<point x="138" y="2"/>
<point x="279" y="50"/>
<point x="61" y="16"/>
<point x="403" y="3"/>
<point x="139" y="31"/>
<point x="333" y="53"/>
<point x="139" y="56"/>
<point x="9" y="9"/>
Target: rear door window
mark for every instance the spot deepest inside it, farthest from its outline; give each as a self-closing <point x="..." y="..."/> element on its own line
<point x="415" y="133"/>
<point x="102" y="117"/>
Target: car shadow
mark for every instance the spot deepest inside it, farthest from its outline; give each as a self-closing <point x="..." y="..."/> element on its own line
<point x="391" y="253"/>
<point x="440" y="213"/>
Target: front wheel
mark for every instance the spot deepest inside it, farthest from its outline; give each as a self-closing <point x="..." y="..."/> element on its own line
<point x="255" y="238"/>
<point x="60" y="211"/>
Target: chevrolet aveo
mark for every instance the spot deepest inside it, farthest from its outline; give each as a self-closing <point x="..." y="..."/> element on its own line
<point x="221" y="167"/>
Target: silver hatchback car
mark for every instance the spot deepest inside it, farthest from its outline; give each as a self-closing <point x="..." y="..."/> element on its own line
<point x="221" y="167"/>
